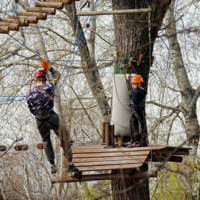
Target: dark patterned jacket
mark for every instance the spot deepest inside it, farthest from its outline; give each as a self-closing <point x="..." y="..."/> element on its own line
<point x="40" y="99"/>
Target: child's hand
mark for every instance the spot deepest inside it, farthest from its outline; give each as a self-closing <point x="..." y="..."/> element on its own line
<point x="128" y="76"/>
<point x="44" y="64"/>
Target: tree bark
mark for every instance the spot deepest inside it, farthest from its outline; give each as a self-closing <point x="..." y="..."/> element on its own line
<point x="131" y="34"/>
<point x="188" y="94"/>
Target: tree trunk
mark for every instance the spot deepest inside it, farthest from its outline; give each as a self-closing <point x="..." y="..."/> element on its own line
<point x="188" y="94"/>
<point x="131" y="34"/>
<point x="91" y="72"/>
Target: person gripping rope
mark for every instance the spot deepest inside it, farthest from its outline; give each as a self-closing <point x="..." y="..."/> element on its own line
<point x="40" y="100"/>
<point x="136" y="122"/>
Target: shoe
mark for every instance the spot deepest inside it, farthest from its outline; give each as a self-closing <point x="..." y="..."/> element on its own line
<point x="71" y="168"/>
<point x="135" y="144"/>
<point x="129" y="144"/>
<point x="53" y="169"/>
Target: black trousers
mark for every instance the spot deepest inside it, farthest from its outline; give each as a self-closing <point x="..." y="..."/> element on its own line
<point x="44" y="126"/>
<point x="136" y="125"/>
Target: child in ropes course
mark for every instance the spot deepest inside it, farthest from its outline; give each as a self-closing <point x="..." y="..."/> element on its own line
<point x="136" y="122"/>
<point x="40" y="101"/>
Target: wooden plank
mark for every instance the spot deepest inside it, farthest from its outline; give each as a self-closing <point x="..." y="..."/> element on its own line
<point x="58" y="5"/>
<point x="12" y="26"/>
<point x="31" y="19"/>
<point x="116" y="149"/>
<point x="114" y="12"/>
<point x="100" y="177"/>
<point x="159" y="149"/>
<point x="113" y="162"/>
<point x="89" y="155"/>
<point x="135" y="157"/>
<point x="49" y="11"/>
<point x="21" y="22"/>
<point x="41" y="16"/>
<point x="110" y="167"/>
<point x="97" y="146"/>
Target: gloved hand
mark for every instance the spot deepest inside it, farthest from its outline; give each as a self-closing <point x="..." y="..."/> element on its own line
<point x="44" y="64"/>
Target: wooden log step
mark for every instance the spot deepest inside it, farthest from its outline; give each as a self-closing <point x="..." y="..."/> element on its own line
<point x="101" y="177"/>
<point x="12" y="26"/>
<point x="112" y="162"/>
<point x="21" y="147"/>
<point x="135" y="157"/>
<point x="111" y="154"/>
<point x="41" y="16"/>
<point x="40" y="146"/>
<point x="110" y="167"/>
<point x="3" y="29"/>
<point x="49" y="11"/>
<point x="31" y="19"/>
<point x="21" y="22"/>
<point x="58" y="5"/>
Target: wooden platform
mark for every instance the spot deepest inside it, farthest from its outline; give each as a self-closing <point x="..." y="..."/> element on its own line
<point x="96" y="157"/>
<point x="99" y="158"/>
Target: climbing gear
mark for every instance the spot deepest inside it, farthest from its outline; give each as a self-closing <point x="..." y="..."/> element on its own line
<point x="44" y="64"/>
<point x="127" y="83"/>
<point x="40" y="73"/>
<point x="137" y="79"/>
<point x="71" y="168"/>
<point x="53" y="169"/>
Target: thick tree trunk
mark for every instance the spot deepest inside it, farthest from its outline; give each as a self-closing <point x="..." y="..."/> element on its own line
<point x="131" y="34"/>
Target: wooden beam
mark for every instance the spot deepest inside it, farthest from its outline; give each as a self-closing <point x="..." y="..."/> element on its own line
<point x="21" y="22"/>
<point x="110" y="167"/>
<point x="12" y="26"/>
<point x="58" y="5"/>
<point x="112" y="162"/>
<point x="49" y="11"/>
<point x="3" y="29"/>
<point x="41" y="16"/>
<point x="31" y="19"/>
<point x="110" y="154"/>
<point x="101" y="177"/>
<point x="115" y="12"/>
<point x="96" y="159"/>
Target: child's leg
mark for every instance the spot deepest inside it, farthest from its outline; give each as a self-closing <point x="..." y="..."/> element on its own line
<point x="134" y="128"/>
<point x="54" y="124"/>
<point x="47" y="145"/>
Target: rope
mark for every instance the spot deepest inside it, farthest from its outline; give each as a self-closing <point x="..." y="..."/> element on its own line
<point x="78" y="46"/>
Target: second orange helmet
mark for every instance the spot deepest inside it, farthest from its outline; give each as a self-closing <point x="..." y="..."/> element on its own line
<point x="137" y="79"/>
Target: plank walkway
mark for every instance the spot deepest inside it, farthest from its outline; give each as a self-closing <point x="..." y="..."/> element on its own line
<point x="98" y="158"/>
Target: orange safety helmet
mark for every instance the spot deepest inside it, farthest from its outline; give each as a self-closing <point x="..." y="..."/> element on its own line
<point x="136" y="79"/>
